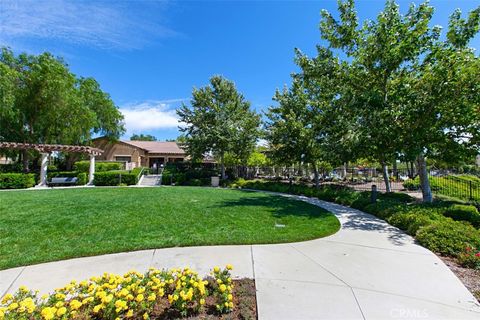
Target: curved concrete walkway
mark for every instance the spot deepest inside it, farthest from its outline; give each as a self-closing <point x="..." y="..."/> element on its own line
<point x="368" y="270"/>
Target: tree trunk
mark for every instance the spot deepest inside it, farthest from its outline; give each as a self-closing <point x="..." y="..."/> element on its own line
<point x="386" y="179"/>
<point x="222" y="166"/>
<point x="424" y="181"/>
<point x="344" y="173"/>
<point x="317" y="178"/>
<point x="25" y="158"/>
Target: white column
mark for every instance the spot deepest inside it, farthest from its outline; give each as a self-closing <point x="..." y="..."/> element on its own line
<point x="43" y="170"/>
<point x="92" y="170"/>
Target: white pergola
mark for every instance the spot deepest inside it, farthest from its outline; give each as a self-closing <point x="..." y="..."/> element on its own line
<point x="46" y="149"/>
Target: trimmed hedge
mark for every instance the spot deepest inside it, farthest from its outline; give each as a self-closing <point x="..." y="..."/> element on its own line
<point x="16" y="180"/>
<point x="431" y="224"/>
<point x="11" y="168"/>
<point x="81" y="176"/>
<point x="461" y="212"/>
<point x="448" y="237"/>
<point x="114" y="178"/>
<point x="100" y="166"/>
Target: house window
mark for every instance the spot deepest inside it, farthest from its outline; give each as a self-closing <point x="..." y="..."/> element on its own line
<point x="123" y="158"/>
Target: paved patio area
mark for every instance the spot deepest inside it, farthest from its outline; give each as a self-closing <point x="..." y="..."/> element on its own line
<point x="368" y="270"/>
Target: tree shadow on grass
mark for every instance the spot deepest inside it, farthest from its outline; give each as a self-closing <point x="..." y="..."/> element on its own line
<point x="278" y="206"/>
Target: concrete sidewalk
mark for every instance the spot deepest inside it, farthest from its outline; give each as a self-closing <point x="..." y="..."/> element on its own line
<point x="367" y="270"/>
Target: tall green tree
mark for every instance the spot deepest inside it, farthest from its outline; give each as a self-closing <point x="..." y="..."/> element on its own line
<point x="144" y="137"/>
<point x="441" y="117"/>
<point x="219" y="120"/>
<point x="48" y="104"/>
<point x="379" y="52"/>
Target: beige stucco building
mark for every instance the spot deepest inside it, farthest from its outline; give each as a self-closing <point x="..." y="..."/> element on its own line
<point x="140" y="153"/>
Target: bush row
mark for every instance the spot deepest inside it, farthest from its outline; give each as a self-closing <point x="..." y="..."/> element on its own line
<point x="100" y="166"/>
<point x="442" y="227"/>
<point x="16" y="180"/>
<point x="115" y="178"/>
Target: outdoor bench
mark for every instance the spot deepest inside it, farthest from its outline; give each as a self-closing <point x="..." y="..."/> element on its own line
<point x="63" y="181"/>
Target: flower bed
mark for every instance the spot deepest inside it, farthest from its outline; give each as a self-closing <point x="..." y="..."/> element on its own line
<point x="157" y="294"/>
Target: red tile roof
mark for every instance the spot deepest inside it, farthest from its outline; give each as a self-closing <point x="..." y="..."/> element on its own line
<point x="157" y="146"/>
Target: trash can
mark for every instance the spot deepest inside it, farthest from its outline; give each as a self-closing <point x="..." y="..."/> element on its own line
<point x="215" y="181"/>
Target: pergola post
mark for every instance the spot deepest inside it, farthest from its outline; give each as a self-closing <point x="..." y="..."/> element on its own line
<point x="91" y="172"/>
<point x="43" y="170"/>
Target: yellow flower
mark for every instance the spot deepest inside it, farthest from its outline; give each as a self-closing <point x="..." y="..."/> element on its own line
<point x="75" y="304"/>
<point x="230" y="304"/>
<point x="97" y="308"/>
<point x="230" y="297"/>
<point x="229" y="267"/>
<point x="61" y="311"/>
<point x="139" y="298"/>
<point x="120" y="305"/>
<point x="145" y="316"/>
<point x="60" y="296"/>
<point x="216" y="269"/>
<point x="202" y="301"/>
<point x="23" y="289"/>
<point x="48" y="313"/>
<point x="13" y="306"/>
<point x="107" y="299"/>
<point x="222" y="288"/>
<point x="152" y="297"/>
<point x="7" y="298"/>
<point x="129" y="314"/>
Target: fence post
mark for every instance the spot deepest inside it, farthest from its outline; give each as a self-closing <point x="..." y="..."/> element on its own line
<point x="373" y="196"/>
<point x="120" y="179"/>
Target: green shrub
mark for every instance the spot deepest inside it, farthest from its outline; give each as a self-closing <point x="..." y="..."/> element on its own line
<point x="114" y="178"/>
<point x="16" y="180"/>
<point x="383" y="208"/>
<point x="195" y="182"/>
<point x="412" y="219"/>
<point x="461" y="212"/>
<point x="470" y="258"/>
<point x="448" y="237"/>
<point x="51" y="168"/>
<point x="167" y="179"/>
<point x="81" y="176"/>
<point x="11" y="168"/>
<point x="402" y="197"/>
<point x="136" y="171"/>
<point x="84" y="166"/>
<point x="412" y="184"/>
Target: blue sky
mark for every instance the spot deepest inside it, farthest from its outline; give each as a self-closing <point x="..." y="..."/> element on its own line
<point x="150" y="54"/>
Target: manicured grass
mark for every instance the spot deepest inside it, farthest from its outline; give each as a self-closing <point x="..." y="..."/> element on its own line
<point x="48" y="225"/>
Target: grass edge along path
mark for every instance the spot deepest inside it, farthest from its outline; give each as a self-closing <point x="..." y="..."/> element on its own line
<point x="50" y="225"/>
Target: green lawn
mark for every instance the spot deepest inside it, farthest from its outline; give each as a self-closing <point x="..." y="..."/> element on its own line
<point x="48" y="225"/>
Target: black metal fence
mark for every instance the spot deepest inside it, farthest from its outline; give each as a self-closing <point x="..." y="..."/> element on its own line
<point x="450" y="183"/>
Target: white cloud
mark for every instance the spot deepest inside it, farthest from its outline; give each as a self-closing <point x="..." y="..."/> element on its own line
<point x="103" y="24"/>
<point x="150" y="115"/>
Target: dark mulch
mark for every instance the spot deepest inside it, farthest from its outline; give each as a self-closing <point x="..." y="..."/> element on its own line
<point x="245" y="301"/>
<point x="469" y="277"/>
